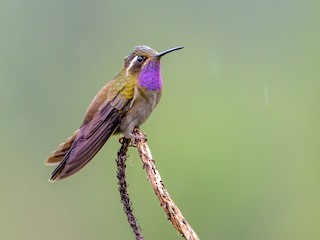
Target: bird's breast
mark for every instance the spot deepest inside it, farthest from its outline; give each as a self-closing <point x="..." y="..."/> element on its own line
<point x="144" y="103"/>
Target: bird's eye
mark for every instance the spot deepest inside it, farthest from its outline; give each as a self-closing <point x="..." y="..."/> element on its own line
<point x="140" y="59"/>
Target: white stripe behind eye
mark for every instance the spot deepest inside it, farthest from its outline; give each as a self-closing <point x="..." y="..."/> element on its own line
<point x="131" y="64"/>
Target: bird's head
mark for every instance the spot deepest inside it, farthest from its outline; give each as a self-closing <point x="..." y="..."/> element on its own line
<point x="144" y="63"/>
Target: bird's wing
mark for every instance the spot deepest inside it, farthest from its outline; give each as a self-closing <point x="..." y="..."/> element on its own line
<point x="92" y="135"/>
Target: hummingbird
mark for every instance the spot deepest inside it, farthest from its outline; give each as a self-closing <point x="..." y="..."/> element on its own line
<point x="123" y="104"/>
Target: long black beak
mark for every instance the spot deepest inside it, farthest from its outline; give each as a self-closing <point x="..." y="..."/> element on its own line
<point x="159" y="55"/>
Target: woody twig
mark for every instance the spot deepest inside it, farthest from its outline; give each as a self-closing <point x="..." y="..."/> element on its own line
<point x="171" y="209"/>
<point x="123" y="188"/>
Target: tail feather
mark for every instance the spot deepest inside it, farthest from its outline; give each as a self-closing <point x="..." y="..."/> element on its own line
<point x="57" y="155"/>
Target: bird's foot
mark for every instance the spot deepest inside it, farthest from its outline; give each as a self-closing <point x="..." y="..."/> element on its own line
<point x="131" y="143"/>
<point x="135" y="136"/>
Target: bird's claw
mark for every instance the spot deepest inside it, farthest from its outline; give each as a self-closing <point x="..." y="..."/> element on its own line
<point x="134" y="138"/>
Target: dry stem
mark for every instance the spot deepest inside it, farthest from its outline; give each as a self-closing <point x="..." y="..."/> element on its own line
<point x="125" y="199"/>
<point x="174" y="214"/>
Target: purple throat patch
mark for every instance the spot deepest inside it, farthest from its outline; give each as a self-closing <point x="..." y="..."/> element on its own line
<point x="150" y="75"/>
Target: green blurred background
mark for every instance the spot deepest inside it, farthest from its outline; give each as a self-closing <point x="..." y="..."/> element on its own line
<point x="236" y="135"/>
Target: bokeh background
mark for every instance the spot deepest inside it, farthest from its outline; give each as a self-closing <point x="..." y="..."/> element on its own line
<point x="236" y="135"/>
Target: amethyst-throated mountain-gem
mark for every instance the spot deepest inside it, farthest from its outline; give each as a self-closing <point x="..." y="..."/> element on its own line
<point x="120" y="106"/>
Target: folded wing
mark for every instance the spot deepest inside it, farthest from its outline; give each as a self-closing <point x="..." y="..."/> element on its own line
<point x="91" y="137"/>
